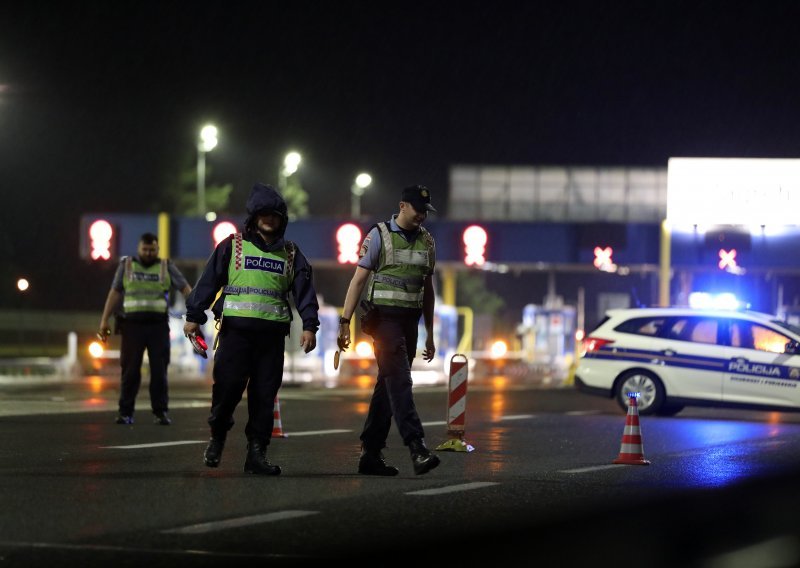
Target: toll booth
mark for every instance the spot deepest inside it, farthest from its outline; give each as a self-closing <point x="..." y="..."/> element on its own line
<point x="547" y="336"/>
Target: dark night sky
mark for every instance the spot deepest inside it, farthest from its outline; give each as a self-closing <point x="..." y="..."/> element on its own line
<point x="100" y="103"/>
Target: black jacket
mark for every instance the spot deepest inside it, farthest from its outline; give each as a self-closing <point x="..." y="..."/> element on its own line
<point x="215" y="275"/>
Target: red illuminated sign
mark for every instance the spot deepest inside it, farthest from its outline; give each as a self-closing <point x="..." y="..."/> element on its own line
<point x="222" y="231"/>
<point x="727" y="259"/>
<point x="348" y="239"/>
<point x="602" y="258"/>
<point x="101" y="236"/>
<point x="475" y="239"/>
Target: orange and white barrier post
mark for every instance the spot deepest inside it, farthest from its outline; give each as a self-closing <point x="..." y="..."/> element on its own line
<point x="277" y="427"/>
<point x="457" y="406"/>
<point x="631" y="452"/>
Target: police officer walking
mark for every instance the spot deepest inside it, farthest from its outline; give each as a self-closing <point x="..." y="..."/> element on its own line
<point x="255" y="271"/>
<point x="143" y="283"/>
<point x="396" y="265"/>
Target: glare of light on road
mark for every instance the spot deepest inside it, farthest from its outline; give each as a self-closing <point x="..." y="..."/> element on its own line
<point x="96" y="383"/>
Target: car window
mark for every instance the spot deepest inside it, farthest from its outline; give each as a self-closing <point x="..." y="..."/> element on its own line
<point x="651" y="326"/>
<point x="793" y="328"/>
<point x="751" y="335"/>
<point x="691" y="328"/>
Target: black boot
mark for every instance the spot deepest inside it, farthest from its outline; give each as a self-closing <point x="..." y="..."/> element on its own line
<point x="256" y="461"/>
<point x="423" y="459"/>
<point x="372" y="462"/>
<point x="213" y="452"/>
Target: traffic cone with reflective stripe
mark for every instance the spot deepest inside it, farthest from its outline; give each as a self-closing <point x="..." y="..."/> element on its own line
<point x="277" y="427"/>
<point x="631" y="453"/>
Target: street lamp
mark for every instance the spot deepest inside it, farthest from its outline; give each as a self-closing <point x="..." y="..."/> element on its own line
<point x="23" y="285"/>
<point x="206" y="143"/>
<point x="290" y="164"/>
<point x="362" y="182"/>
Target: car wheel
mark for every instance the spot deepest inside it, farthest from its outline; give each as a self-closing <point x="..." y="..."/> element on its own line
<point x="648" y="385"/>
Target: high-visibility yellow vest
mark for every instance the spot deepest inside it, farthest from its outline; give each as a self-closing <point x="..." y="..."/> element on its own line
<point x="259" y="282"/>
<point x="146" y="288"/>
<point x="402" y="268"/>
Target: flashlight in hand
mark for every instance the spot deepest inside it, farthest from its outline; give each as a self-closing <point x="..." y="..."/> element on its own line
<point x="199" y="345"/>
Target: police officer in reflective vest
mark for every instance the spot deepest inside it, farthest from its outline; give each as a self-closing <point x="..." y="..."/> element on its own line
<point x="143" y="282"/>
<point x="396" y="265"/>
<point x="248" y="278"/>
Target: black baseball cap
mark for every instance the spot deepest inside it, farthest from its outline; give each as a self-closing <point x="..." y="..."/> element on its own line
<point x="419" y="197"/>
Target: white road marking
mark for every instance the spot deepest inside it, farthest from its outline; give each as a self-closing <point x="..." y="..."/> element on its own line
<point x="581" y="412"/>
<point x="183" y="442"/>
<point x="202" y="528"/>
<point x="781" y="551"/>
<point x="125" y="549"/>
<point x="592" y="468"/>
<point x="517" y="417"/>
<point x="154" y="445"/>
<point x="454" y="488"/>
<point x="315" y="433"/>
<point x="435" y="423"/>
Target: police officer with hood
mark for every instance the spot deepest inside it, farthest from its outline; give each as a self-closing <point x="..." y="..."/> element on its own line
<point x="253" y="273"/>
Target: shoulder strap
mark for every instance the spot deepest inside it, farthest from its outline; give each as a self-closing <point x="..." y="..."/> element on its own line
<point x="128" y="267"/>
<point x="291" y="250"/>
<point x="236" y="253"/>
<point x="386" y="242"/>
<point x="429" y="242"/>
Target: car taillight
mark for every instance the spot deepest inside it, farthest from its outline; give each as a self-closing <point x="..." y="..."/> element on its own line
<point x="595" y="344"/>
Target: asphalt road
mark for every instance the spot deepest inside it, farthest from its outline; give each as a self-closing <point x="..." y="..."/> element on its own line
<point x="539" y="487"/>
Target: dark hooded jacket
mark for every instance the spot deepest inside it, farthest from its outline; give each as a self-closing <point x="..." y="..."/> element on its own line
<point x="215" y="275"/>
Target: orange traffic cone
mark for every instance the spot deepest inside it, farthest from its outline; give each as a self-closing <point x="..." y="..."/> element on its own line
<point x="630" y="452"/>
<point x="277" y="427"/>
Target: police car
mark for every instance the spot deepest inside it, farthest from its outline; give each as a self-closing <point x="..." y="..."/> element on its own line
<point x="676" y="357"/>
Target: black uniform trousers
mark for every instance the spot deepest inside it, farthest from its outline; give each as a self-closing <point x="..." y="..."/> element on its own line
<point x="252" y="360"/>
<point x="138" y="335"/>
<point x="395" y="341"/>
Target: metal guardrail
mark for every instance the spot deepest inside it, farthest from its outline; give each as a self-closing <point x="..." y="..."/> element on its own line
<point x="64" y="368"/>
<point x="45" y="320"/>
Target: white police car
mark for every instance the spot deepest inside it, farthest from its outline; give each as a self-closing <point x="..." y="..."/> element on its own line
<point x="675" y="357"/>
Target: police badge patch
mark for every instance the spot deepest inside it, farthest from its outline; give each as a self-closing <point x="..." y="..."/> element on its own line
<point x="364" y="246"/>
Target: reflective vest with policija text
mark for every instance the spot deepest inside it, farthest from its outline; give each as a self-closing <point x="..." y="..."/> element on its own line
<point x="403" y="266"/>
<point x="259" y="282"/>
<point x="146" y="288"/>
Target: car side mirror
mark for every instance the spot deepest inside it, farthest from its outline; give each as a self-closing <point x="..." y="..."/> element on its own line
<point x="792" y="347"/>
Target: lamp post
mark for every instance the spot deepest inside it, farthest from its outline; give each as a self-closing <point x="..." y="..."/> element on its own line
<point x="290" y="164"/>
<point x="361" y="183"/>
<point x="207" y="142"/>
<point x="23" y="285"/>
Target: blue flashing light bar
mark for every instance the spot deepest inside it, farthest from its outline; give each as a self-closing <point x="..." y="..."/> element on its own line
<point x="724" y="301"/>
